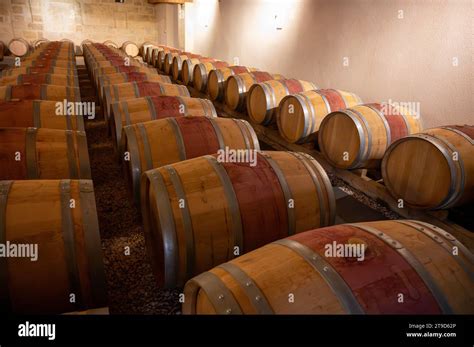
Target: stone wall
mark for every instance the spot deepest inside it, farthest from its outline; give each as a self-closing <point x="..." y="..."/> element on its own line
<point x="99" y="20"/>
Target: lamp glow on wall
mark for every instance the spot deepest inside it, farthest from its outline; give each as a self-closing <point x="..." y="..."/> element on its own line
<point x="207" y="11"/>
<point x="278" y="14"/>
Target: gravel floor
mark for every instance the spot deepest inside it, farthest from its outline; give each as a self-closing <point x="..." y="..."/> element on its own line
<point x="131" y="286"/>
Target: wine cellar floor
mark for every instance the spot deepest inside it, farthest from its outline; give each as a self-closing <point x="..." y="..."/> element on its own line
<point x="130" y="283"/>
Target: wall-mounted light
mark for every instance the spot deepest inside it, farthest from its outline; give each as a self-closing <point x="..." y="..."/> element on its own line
<point x="278" y="22"/>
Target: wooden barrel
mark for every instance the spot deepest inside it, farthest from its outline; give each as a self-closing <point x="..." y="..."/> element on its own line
<point x="40" y="92"/>
<point x="2" y="50"/>
<point x="177" y="64"/>
<point x="216" y="80"/>
<point x="110" y="43"/>
<point x="122" y="91"/>
<point x="188" y="68"/>
<point x="32" y="153"/>
<point x="125" y="77"/>
<point x="149" y="108"/>
<point x="154" y="56"/>
<point x="19" y="47"/>
<point x="130" y="48"/>
<point x="38" y="43"/>
<point x="47" y="62"/>
<point x="237" y="86"/>
<point x="433" y="169"/>
<point x="59" y="80"/>
<point x="263" y="98"/>
<point x="406" y="267"/>
<point x="358" y="137"/>
<point x="300" y="115"/>
<point x="201" y="72"/>
<point x="168" y="61"/>
<point x="38" y="69"/>
<point x="160" y="59"/>
<point x="166" y="141"/>
<point x="230" y="208"/>
<point x="68" y="274"/>
<point x="146" y="51"/>
<point x="37" y="114"/>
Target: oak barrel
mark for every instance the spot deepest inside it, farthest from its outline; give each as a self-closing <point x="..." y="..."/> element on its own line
<point x="38" y="114"/>
<point x="125" y="77"/>
<point x="404" y="267"/>
<point x="433" y="169"/>
<point x="32" y="153"/>
<point x="166" y="141"/>
<point x="201" y="72"/>
<point x="40" y="92"/>
<point x="237" y="86"/>
<point x="188" y="68"/>
<point x="59" y="80"/>
<point x="263" y="98"/>
<point x="177" y="64"/>
<point x="300" y="115"/>
<point x="19" y="47"/>
<point x="202" y="212"/>
<point x="122" y="91"/>
<point x="358" y="137"/>
<point x="216" y="80"/>
<point x="161" y="57"/>
<point x="68" y="274"/>
<point x="112" y="44"/>
<point x="130" y="48"/>
<point x="38" y="69"/>
<point x="139" y="110"/>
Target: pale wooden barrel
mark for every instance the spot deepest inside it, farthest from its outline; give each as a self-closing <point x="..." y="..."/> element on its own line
<point x="38" y="43"/>
<point x="125" y="77"/>
<point x="43" y="154"/>
<point x="38" y="69"/>
<point x="229" y="209"/>
<point x="201" y="72"/>
<point x="216" y="80"/>
<point x="433" y="169"/>
<point x="69" y="250"/>
<point x="394" y="268"/>
<point x="188" y="68"/>
<point x="110" y="43"/>
<point x="40" y="92"/>
<point x="37" y="114"/>
<point x="118" y="92"/>
<point x="160" y="58"/>
<point x="358" y="137"/>
<point x="263" y="98"/>
<point x="237" y="86"/>
<point x="19" y="47"/>
<point x="130" y="48"/>
<point x="139" y="110"/>
<point x="168" y="60"/>
<point x="166" y="141"/>
<point x="300" y="115"/>
<point x="177" y="64"/>
<point x="55" y="79"/>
